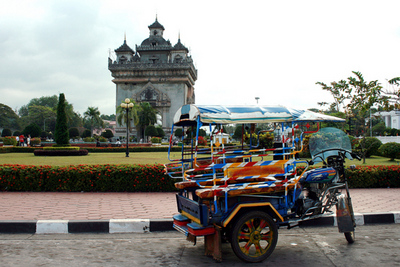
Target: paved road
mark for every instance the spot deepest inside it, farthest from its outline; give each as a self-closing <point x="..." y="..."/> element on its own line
<point x="376" y="245"/>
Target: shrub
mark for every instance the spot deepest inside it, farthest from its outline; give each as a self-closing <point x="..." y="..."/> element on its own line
<point x="58" y="152"/>
<point x="88" y="178"/>
<point x="156" y="140"/>
<point x="86" y="133"/>
<point x="73" y="133"/>
<point x="88" y="139"/>
<point x="265" y="140"/>
<point x="55" y="147"/>
<point x="202" y="141"/>
<point x="102" y="139"/>
<point x="17" y="133"/>
<point x="370" y="145"/>
<point x="6" y="132"/>
<point x="390" y="150"/>
<point x="35" y="141"/>
<point x="10" y="141"/>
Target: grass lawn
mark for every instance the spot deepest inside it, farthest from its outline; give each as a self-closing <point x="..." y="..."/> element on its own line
<point x="91" y="159"/>
<point x="134" y="158"/>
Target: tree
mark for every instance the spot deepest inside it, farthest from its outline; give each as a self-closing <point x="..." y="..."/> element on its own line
<point x="61" y="132"/>
<point x="202" y="132"/>
<point x="178" y="132"/>
<point x="146" y="115"/>
<point x="43" y="116"/>
<point x="107" y="134"/>
<point x="43" y="111"/>
<point x="111" y="117"/>
<point x="8" y="118"/>
<point x="390" y="150"/>
<point x="86" y="133"/>
<point x="73" y="132"/>
<point x="92" y="116"/>
<point x="160" y="132"/>
<point x="357" y="96"/>
<point x="33" y="130"/>
<point x="44" y="101"/>
<point x="6" y="132"/>
<point x="238" y="133"/>
<point x="150" y="131"/>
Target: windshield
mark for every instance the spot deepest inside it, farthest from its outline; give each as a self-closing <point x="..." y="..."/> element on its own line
<point x="328" y="142"/>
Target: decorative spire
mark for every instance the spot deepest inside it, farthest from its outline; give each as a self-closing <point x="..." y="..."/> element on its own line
<point x="125" y="37"/>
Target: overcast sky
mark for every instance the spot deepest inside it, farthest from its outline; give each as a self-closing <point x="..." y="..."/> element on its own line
<point x="274" y="50"/>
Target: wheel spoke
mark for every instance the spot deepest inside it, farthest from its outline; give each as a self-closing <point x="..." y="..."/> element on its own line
<point x="246" y="247"/>
<point x="250" y="225"/>
<point x="262" y="225"/>
<point x="243" y="235"/>
<point x="267" y="236"/>
<point x="259" y="249"/>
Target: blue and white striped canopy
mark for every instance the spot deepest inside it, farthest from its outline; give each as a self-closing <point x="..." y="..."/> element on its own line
<point x="246" y="114"/>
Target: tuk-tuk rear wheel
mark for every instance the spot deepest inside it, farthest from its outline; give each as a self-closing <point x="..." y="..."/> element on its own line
<point x="254" y="236"/>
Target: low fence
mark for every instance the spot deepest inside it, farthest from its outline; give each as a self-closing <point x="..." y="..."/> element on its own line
<point x="388" y="139"/>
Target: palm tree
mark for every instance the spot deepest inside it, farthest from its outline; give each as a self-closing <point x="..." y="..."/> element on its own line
<point x="132" y="113"/>
<point x="147" y="115"/>
<point x="92" y="116"/>
<point x="142" y="115"/>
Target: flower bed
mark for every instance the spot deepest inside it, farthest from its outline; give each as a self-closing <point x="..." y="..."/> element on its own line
<point x="88" y="178"/>
<point x="371" y="176"/>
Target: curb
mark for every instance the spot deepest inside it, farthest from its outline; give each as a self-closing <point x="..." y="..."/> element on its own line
<point x="126" y="226"/>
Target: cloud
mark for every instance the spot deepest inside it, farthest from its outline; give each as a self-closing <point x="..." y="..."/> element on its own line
<point x="273" y="50"/>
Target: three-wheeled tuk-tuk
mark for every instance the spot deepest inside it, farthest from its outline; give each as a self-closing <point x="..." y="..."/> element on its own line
<point x="243" y="193"/>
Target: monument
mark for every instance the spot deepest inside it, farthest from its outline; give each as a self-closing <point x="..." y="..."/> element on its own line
<point x="157" y="72"/>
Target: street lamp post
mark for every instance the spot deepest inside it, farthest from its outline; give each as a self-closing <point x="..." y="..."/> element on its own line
<point x="127" y="105"/>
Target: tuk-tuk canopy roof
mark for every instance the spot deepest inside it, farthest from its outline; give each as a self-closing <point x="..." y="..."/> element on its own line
<point x="188" y="114"/>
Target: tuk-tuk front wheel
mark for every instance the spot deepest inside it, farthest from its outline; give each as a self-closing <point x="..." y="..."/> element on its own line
<point x="254" y="236"/>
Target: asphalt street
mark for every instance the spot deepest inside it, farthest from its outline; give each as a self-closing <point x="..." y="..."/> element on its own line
<point x="376" y="245"/>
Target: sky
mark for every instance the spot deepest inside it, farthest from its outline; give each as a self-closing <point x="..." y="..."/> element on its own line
<point x="274" y="50"/>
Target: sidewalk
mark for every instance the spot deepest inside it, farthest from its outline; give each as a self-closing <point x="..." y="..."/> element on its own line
<point x="29" y="212"/>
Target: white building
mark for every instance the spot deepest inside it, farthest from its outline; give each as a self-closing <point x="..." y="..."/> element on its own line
<point x="391" y="118"/>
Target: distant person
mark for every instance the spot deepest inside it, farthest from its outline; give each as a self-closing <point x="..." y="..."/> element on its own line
<point x="17" y="138"/>
<point x="28" y="140"/>
<point x="98" y="143"/>
<point x="118" y="143"/>
<point x="21" y="140"/>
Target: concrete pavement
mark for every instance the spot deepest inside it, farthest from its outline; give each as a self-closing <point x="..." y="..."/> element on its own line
<point x="31" y="212"/>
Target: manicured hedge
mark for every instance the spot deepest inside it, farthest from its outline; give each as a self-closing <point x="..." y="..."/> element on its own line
<point x="374" y="176"/>
<point x="371" y="176"/>
<point x="17" y="149"/>
<point x="142" y="178"/>
<point x="51" y="152"/>
<point x="87" y="178"/>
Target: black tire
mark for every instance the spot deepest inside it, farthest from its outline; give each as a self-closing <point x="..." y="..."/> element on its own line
<point x="350" y="237"/>
<point x="254" y="236"/>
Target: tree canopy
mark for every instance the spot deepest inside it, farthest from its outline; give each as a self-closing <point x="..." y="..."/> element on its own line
<point x="8" y="118"/>
<point x="92" y="117"/>
<point x="357" y="97"/>
<point x="61" y="134"/>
